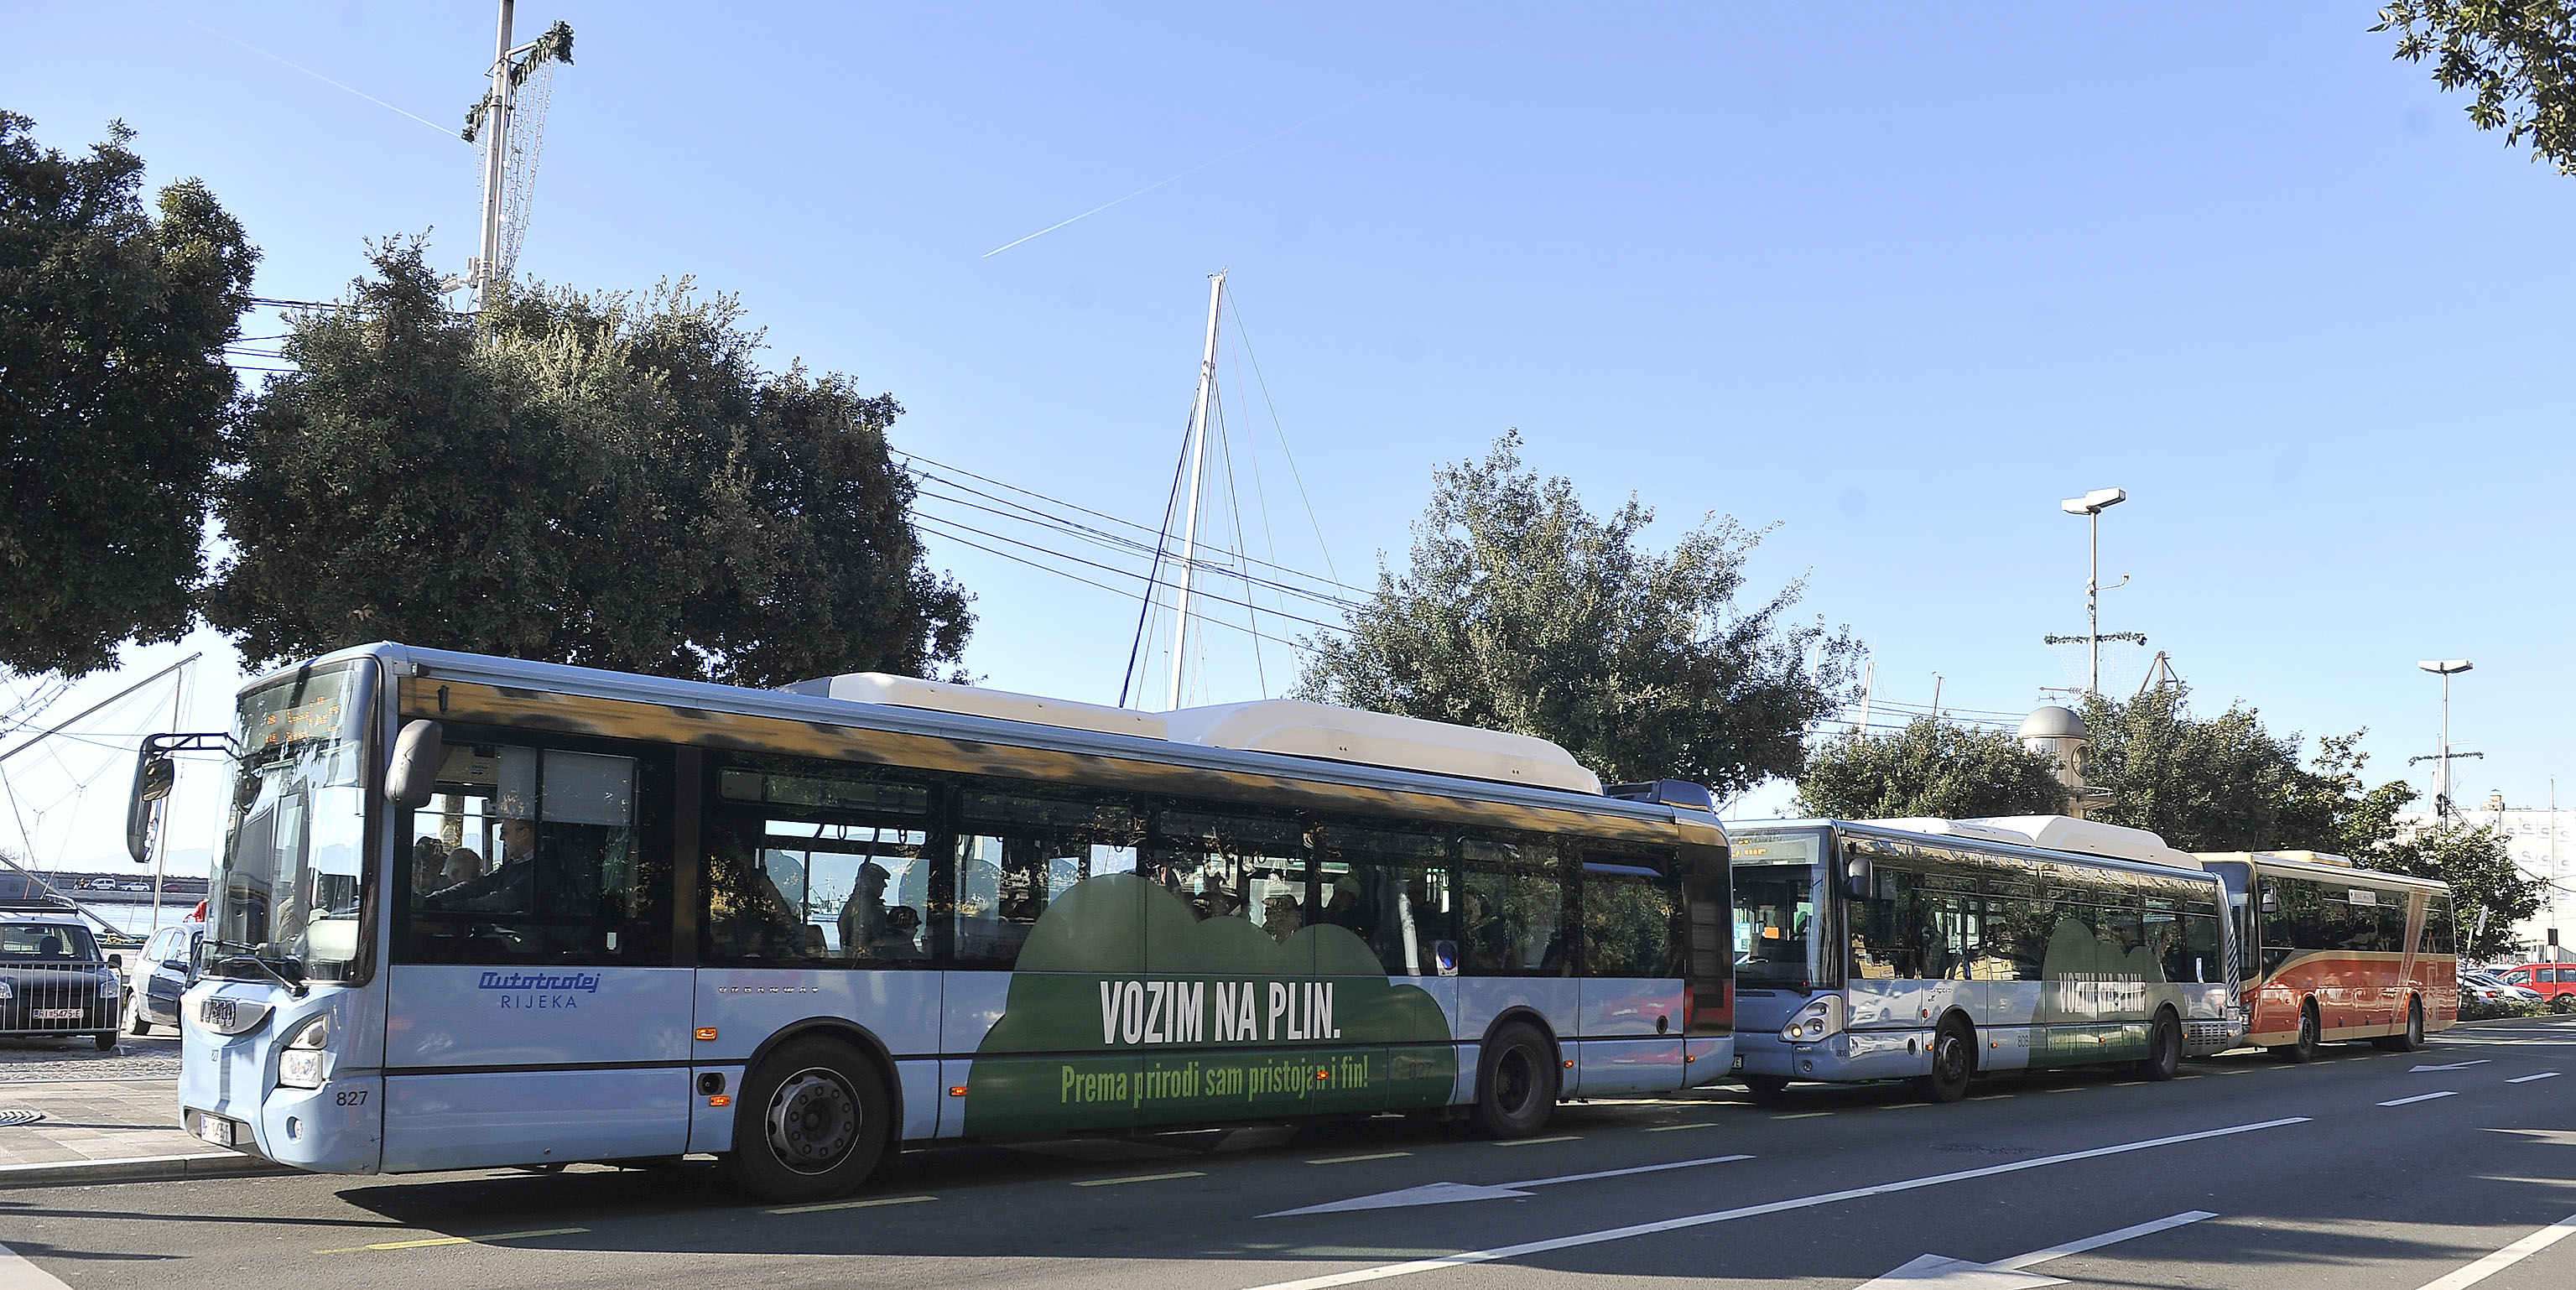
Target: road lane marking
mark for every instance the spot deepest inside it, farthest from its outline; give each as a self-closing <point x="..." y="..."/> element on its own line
<point x="1802" y="1115"/>
<point x="2069" y="1088"/>
<point x="457" y="1240"/>
<point x="2506" y="1257"/>
<point x="2451" y="1066"/>
<point x="1352" y="1160"/>
<point x="2420" y="1097"/>
<point x="1385" y="1271"/>
<point x="2002" y="1274"/>
<point x="1112" y="1182"/>
<point x="17" y="1273"/>
<point x="1450" y="1193"/>
<point x="1669" y="1128"/>
<point x="848" y="1204"/>
<point x="2525" y="1079"/>
<point x="1532" y="1142"/>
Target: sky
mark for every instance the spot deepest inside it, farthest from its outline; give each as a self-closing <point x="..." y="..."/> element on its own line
<point x="1883" y="282"/>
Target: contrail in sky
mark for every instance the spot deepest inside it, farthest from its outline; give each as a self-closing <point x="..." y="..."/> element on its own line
<point x="297" y="66"/>
<point x="1238" y="151"/>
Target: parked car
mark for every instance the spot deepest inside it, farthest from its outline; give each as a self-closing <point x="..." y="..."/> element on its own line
<point x="162" y="973"/>
<point x="2489" y="986"/>
<point x="54" y="981"/>
<point x="2549" y="979"/>
<point x="132" y="885"/>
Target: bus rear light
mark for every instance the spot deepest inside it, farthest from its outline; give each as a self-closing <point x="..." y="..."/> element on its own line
<point x="706" y="1033"/>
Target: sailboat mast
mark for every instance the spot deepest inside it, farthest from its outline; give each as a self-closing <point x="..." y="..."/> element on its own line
<point x="1198" y="472"/>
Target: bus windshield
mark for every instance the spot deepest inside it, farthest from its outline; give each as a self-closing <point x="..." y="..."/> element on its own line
<point x="1776" y="878"/>
<point x="287" y="889"/>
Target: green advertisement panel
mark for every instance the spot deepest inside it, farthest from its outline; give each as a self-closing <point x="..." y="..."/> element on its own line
<point x="1126" y="1008"/>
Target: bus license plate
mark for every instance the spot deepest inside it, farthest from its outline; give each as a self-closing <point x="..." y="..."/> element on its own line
<point x="58" y="1014"/>
<point x="216" y="1130"/>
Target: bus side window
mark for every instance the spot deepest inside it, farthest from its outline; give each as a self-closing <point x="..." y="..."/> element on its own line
<point x="1885" y="931"/>
<point x="1391" y="889"/>
<point x="1631" y="916"/>
<point x="1224" y="865"/>
<point x="1511" y="909"/>
<point x="1016" y="855"/>
<point x="536" y="854"/>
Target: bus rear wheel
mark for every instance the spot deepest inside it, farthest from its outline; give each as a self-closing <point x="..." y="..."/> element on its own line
<point x="811" y="1123"/>
<point x="1954" y="1062"/>
<point x="1515" y="1083"/>
<point x="2164" y="1048"/>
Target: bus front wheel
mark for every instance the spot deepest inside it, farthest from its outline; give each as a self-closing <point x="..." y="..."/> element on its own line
<point x="811" y="1123"/>
<point x="2311" y="1037"/>
<point x="2164" y="1048"/>
<point x="1954" y="1062"/>
<point x="1515" y="1083"/>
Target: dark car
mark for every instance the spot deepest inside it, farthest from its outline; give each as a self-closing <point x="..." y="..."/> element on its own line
<point x="53" y="979"/>
<point x="161" y="975"/>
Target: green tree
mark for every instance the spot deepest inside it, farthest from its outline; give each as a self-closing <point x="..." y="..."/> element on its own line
<point x="2484" y="880"/>
<point x="1928" y="769"/>
<point x="1524" y="612"/>
<point x="590" y="479"/>
<point x="2518" y="56"/>
<point x="113" y="393"/>
<point x="2220" y="784"/>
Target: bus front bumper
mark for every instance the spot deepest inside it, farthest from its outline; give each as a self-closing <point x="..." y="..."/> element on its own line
<point x="1845" y="1056"/>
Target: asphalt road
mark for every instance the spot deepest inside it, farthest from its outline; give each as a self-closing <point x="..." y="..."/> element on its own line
<point x="2357" y="1172"/>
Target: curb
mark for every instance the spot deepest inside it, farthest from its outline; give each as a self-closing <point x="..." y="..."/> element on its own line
<point x="138" y="1169"/>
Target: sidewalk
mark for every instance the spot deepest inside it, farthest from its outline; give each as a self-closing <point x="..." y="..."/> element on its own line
<point x="100" y="1117"/>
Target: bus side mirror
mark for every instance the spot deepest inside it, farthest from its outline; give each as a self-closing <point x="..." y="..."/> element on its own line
<point x="154" y="773"/>
<point x="418" y="753"/>
<point x="1860" y="880"/>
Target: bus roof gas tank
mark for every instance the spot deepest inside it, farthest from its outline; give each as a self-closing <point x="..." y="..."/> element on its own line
<point x="976" y="701"/>
<point x="2058" y="833"/>
<point x="1302" y="729"/>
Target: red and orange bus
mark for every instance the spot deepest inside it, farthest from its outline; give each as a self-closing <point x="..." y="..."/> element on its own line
<point x="2333" y="952"/>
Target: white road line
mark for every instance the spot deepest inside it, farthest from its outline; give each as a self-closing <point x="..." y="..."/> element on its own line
<point x="1633" y="1169"/>
<point x="2501" y="1259"/>
<point x="2420" y="1097"/>
<point x="2019" y="1261"/>
<point x="1387" y="1270"/>
<point x="2525" y="1079"/>
<point x="16" y="1273"/>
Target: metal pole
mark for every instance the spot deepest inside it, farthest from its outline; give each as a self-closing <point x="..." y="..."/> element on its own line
<point x="2093" y="608"/>
<point x="2442" y="767"/>
<point x="1198" y="467"/>
<point x="1868" y="686"/>
<point x="496" y="134"/>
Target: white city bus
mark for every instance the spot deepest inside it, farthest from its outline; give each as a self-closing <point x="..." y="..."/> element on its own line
<point x="1936" y="950"/>
<point x="475" y="912"/>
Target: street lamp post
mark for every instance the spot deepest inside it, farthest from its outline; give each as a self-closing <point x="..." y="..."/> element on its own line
<point x="2446" y="669"/>
<point x="2091" y="505"/>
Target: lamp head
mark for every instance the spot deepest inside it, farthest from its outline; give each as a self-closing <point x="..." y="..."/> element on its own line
<point x="2444" y="667"/>
<point x="2095" y="502"/>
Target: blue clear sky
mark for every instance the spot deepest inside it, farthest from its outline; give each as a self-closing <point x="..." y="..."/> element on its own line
<point x="1894" y="279"/>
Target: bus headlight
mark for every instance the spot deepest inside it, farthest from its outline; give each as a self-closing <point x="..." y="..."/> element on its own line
<point x="300" y="1065"/>
<point x="1821" y="1017"/>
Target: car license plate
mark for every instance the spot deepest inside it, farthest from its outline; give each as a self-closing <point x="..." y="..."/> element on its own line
<point x="215" y="1129"/>
<point x="58" y="1014"/>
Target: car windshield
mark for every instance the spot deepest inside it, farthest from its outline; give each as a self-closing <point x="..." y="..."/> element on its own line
<point x="1776" y="882"/>
<point x="288" y="888"/>
<point x="46" y="943"/>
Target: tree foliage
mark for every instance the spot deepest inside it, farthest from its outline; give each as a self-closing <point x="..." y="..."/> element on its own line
<point x="2475" y="860"/>
<point x="1928" y="769"/>
<point x="1522" y="611"/>
<point x="590" y="479"/>
<point x="113" y="392"/>
<point x="2218" y="784"/>
<point x="2517" y="56"/>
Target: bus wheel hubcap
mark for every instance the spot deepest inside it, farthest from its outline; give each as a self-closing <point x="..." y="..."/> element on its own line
<point x="813" y="1119"/>
<point x="1512" y="1082"/>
